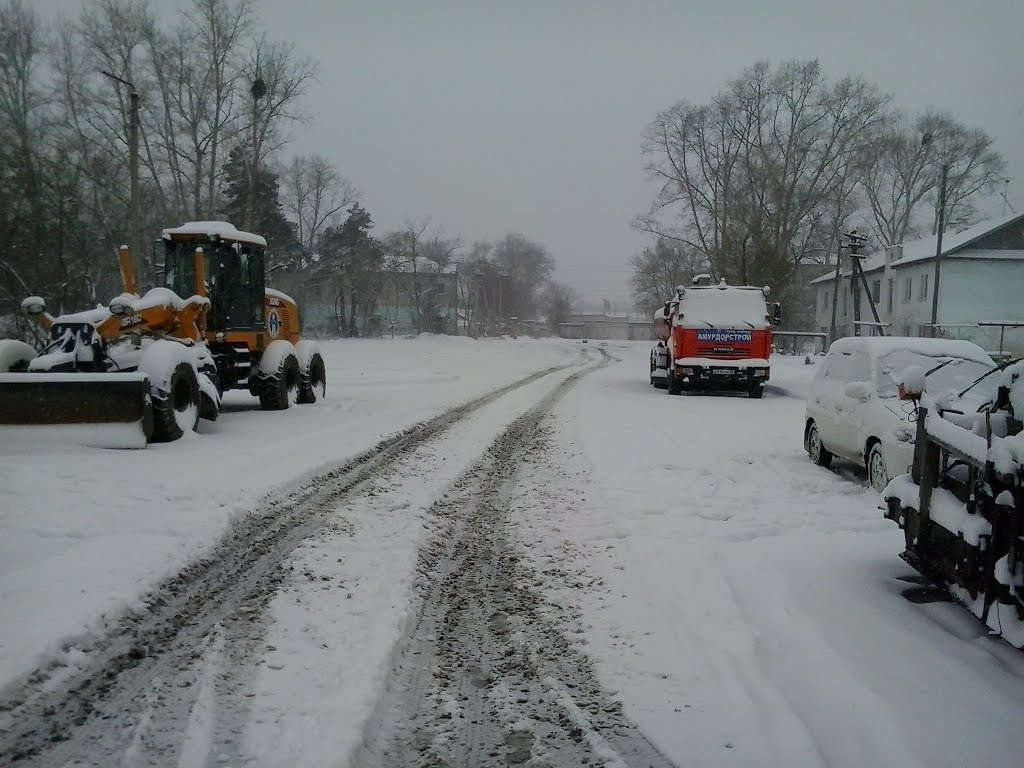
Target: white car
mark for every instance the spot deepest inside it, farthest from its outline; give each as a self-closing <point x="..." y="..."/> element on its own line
<point x="853" y="410"/>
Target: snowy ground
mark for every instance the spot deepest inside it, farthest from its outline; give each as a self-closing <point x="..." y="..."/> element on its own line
<point x="623" y="576"/>
<point x="83" y="531"/>
<point x="746" y="603"/>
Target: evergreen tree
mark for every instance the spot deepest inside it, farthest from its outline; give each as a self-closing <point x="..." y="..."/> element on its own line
<point x="352" y="259"/>
<point x="268" y="217"/>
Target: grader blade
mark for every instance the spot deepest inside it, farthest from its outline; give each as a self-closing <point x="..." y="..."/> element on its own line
<point x="108" y="410"/>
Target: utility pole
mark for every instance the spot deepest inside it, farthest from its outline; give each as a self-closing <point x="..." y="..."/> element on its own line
<point x="854" y="243"/>
<point x="835" y="290"/>
<point x="938" y="248"/>
<point x="135" y="203"/>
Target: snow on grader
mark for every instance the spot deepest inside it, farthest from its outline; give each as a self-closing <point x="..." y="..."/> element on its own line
<point x="961" y="508"/>
<point x="147" y="368"/>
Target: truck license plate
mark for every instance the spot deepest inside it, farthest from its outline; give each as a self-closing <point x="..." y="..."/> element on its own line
<point x="721" y="371"/>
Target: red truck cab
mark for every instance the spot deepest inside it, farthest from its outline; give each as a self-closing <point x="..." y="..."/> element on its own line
<point x="718" y="337"/>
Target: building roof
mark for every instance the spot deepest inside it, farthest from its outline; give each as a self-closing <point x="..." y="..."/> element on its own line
<point x="953" y="244"/>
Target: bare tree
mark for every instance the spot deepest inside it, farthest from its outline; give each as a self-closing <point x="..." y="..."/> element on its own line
<point x="523" y="267"/>
<point x="658" y="269"/>
<point x="739" y="177"/>
<point x="557" y="301"/>
<point x="423" y="258"/>
<point x="315" y="196"/>
<point x="197" y="69"/>
<point x="902" y="171"/>
<point x="973" y="167"/>
<point x="276" y="79"/>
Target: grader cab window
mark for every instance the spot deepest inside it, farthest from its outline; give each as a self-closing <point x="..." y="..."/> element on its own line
<point x="234" y="281"/>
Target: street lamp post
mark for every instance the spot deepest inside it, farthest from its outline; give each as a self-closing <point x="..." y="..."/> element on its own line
<point x="135" y="203"/>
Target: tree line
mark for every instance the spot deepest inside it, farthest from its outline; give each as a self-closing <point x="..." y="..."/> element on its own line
<point x="218" y="102"/>
<point x="769" y="173"/>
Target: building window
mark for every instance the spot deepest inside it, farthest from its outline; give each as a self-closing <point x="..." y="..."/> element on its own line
<point x="845" y="294"/>
<point x="876" y="291"/>
<point x="892" y="290"/>
<point x="908" y="289"/>
<point x="923" y="294"/>
<point x="826" y="299"/>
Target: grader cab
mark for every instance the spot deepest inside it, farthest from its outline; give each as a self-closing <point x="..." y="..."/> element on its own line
<point x="153" y="365"/>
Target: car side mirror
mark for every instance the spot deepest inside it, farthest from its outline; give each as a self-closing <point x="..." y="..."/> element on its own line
<point x="859" y="390"/>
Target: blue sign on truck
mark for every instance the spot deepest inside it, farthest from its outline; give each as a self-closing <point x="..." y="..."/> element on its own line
<point x="719" y="335"/>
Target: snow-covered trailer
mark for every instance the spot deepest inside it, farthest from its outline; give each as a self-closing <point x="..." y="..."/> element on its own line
<point x="962" y="507"/>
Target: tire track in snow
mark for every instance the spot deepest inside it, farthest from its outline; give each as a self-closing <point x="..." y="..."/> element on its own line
<point x="93" y="714"/>
<point x="484" y="679"/>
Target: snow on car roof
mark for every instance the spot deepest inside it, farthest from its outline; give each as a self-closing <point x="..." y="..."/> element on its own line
<point x="723" y="307"/>
<point x="223" y="229"/>
<point x="877" y="346"/>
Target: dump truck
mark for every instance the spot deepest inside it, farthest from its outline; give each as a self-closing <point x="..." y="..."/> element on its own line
<point x="154" y="364"/>
<point x="961" y="508"/>
<point x="714" y="337"/>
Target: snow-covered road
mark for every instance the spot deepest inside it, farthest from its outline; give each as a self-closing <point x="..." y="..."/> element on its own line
<point x="575" y="567"/>
<point x="746" y="603"/>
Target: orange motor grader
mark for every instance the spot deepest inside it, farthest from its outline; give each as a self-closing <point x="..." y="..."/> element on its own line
<point x="155" y="364"/>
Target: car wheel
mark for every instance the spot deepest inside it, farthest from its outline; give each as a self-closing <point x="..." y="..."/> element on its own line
<point x="878" y="475"/>
<point x="818" y="453"/>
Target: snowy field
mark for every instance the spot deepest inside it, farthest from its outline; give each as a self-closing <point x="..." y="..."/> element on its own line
<point x="739" y="605"/>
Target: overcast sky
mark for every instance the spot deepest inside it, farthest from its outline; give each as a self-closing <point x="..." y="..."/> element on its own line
<point x="527" y="115"/>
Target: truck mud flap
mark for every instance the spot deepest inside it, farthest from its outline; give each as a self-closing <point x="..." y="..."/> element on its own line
<point x="109" y="410"/>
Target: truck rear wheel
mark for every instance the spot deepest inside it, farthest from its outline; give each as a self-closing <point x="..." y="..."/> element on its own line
<point x="675" y="385"/>
<point x="313" y="380"/>
<point x="281" y="390"/>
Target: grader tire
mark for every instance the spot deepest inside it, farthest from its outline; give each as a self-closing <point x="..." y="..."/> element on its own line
<point x="313" y="381"/>
<point x="177" y="409"/>
<point x="281" y="390"/>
